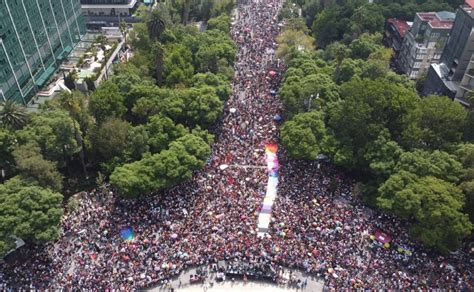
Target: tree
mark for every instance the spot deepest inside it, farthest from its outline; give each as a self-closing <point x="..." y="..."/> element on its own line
<point x="328" y="26"/>
<point x="110" y="138"/>
<point x="213" y="49"/>
<point x="32" y="165"/>
<point x="221" y="22"/>
<point x="438" y="164"/>
<point x="305" y="135"/>
<point x="178" y="68"/>
<point x="124" y="30"/>
<point x="8" y="143"/>
<point x="166" y="101"/>
<point x="465" y="153"/>
<point x="13" y="115"/>
<point x="217" y="81"/>
<point x="159" y="55"/>
<point x="127" y="80"/>
<point x="162" y="131"/>
<point x="435" y="123"/>
<point x="156" y="24"/>
<point x="76" y="104"/>
<point x="383" y="155"/>
<point x="201" y="106"/>
<point x="364" y="45"/>
<point x="301" y="94"/>
<point x="292" y="41"/>
<point x="29" y="212"/>
<point x="434" y="206"/>
<point x="348" y="69"/>
<point x="163" y="170"/>
<point x="149" y="93"/>
<point x="367" y="107"/>
<point x="137" y="143"/>
<point x="367" y="18"/>
<point x="187" y="7"/>
<point x="54" y="132"/>
<point x="140" y="37"/>
<point x="70" y="80"/>
<point x="107" y="101"/>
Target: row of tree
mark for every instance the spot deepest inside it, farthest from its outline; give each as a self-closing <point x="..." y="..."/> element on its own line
<point x="413" y="155"/>
<point x="146" y="127"/>
<point x="345" y="20"/>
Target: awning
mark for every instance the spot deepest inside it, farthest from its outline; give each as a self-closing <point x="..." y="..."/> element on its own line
<point x="40" y="81"/>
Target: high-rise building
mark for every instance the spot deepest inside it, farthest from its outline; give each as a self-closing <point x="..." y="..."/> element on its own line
<point x="35" y="36"/>
<point x="424" y="42"/>
<point x="454" y="75"/>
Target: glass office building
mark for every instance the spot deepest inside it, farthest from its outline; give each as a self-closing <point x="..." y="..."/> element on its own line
<point x="35" y="36"/>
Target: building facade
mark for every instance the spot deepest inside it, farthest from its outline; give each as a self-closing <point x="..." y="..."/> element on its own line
<point x="35" y="36"/>
<point x="106" y="13"/>
<point x="454" y="76"/>
<point x="395" y="31"/>
<point x="424" y="42"/>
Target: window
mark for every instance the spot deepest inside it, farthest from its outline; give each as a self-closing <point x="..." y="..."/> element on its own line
<point x="417" y="65"/>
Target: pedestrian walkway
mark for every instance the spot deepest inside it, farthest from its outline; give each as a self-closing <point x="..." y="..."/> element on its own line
<point x="181" y="284"/>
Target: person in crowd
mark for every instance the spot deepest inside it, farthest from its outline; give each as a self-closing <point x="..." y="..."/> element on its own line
<point x="315" y="228"/>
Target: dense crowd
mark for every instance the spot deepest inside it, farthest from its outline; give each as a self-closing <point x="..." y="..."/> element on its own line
<point x="317" y="225"/>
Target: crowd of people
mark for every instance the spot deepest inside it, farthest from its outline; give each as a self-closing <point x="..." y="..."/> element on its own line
<point x="317" y="225"/>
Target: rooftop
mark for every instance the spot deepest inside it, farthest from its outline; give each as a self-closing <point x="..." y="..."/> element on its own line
<point x="441" y="20"/>
<point x="105" y="6"/>
<point x="400" y="25"/>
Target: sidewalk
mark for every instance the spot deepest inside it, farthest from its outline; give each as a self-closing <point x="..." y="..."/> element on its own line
<point x="314" y="285"/>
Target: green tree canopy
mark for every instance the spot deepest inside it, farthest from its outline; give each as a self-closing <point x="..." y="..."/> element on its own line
<point x="163" y="170"/>
<point x="178" y="65"/>
<point x="383" y="155"/>
<point x="29" y="212"/>
<point x="367" y="108"/>
<point x="221" y="22"/>
<point x="364" y="45"/>
<point x="305" y="136"/>
<point x="438" y="164"/>
<point x="433" y="204"/>
<point x="109" y="139"/>
<point x="218" y="81"/>
<point x="162" y="131"/>
<point x="55" y="133"/>
<point x="107" y="101"/>
<point x="290" y="42"/>
<point x="300" y="94"/>
<point x="32" y="165"/>
<point x="435" y="123"/>
<point x="13" y="115"/>
<point x="201" y="106"/>
<point x="8" y="143"/>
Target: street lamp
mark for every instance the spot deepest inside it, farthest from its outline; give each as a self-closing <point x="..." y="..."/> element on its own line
<point x="311" y="100"/>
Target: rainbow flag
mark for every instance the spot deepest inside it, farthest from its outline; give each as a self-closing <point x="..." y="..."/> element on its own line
<point x="264" y="217"/>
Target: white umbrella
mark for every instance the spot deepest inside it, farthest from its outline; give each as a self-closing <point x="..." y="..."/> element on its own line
<point x="223" y="166"/>
<point x="232" y="110"/>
